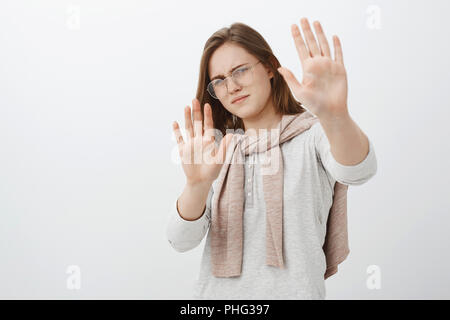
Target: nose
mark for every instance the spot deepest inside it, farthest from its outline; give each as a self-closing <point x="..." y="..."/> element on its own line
<point x="232" y="86"/>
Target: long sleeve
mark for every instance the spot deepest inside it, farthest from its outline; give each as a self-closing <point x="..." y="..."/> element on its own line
<point x="184" y="235"/>
<point x="349" y="175"/>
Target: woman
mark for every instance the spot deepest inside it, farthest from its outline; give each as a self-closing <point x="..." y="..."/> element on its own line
<point x="267" y="230"/>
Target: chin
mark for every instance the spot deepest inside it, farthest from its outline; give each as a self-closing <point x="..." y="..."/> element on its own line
<point x="250" y="111"/>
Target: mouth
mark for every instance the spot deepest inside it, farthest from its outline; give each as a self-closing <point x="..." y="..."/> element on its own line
<point x="240" y="99"/>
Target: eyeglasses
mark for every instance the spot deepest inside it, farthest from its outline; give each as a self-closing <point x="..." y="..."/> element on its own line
<point x="242" y="76"/>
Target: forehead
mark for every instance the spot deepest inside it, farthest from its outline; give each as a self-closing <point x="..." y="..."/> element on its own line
<point x="226" y="57"/>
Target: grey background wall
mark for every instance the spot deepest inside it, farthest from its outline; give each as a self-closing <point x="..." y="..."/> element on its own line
<point x="88" y="162"/>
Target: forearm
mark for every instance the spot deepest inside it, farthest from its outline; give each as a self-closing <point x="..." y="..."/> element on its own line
<point x="348" y="143"/>
<point x="192" y="202"/>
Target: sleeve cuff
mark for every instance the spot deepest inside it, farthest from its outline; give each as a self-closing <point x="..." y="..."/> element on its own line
<point x="353" y="174"/>
<point x="180" y="219"/>
<point x="186" y="233"/>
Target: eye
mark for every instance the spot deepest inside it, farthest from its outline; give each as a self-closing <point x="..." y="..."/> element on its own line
<point x="241" y="70"/>
<point x="217" y="82"/>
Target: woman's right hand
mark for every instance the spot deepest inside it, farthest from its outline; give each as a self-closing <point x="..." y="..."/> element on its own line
<point x="200" y="157"/>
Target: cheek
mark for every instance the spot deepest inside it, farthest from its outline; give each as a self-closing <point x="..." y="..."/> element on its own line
<point x="262" y="87"/>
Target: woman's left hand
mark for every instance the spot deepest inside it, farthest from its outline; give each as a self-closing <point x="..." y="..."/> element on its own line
<point x="323" y="90"/>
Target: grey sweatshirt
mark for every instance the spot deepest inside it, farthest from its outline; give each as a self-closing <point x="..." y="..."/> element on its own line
<point x="310" y="172"/>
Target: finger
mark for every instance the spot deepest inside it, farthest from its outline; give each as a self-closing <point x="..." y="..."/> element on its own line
<point x="324" y="47"/>
<point x="338" y="56"/>
<point x="310" y="39"/>
<point x="178" y="136"/>
<point x="300" y="45"/>
<point x="188" y="122"/>
<point x="290" y="78"/>
<point x="198" y="125"/>
<point x="221" y="153"/>
<point x="209" y="124"/>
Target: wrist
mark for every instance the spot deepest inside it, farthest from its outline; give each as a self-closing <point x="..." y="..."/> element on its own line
<point x="198" y="184"/>
<point x="335" y="120"/>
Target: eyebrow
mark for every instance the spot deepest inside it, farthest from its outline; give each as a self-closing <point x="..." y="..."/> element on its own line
<point x="222" y="76"/>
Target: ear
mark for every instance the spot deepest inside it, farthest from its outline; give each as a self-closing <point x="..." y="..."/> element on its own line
<point x="269" y="72"/>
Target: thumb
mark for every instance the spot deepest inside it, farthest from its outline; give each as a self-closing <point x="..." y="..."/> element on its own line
<point x="289" y="78"/>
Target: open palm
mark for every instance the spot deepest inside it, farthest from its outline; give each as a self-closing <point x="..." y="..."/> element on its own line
<point x="323" y="90"/>
<point x="201" y="158"/>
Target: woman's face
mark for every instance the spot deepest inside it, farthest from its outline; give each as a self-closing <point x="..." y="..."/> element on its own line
<point x="222" y="61"/>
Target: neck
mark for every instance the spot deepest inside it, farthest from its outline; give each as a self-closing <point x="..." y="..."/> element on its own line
<point x="266" y="119"/>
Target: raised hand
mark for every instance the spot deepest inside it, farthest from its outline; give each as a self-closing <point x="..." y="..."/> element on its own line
<point x="323" y="90"/>
<point x="201" y="158"/>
